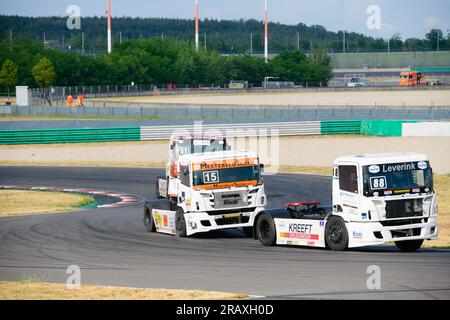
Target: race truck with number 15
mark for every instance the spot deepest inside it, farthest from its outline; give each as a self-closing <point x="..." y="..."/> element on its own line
<point x="212" y="191"/>
<point x="376" y="199"/>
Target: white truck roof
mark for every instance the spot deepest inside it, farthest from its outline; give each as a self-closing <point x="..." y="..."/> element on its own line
<point x="383" y="158"/>
<point x="219" y="155"/>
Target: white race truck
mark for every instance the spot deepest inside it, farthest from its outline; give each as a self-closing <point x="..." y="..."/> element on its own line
<point x="376" y="199"/>
<point x="213" y="191"/>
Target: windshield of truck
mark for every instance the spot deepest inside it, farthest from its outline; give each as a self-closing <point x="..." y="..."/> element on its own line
<point x="191" y="146"/>
<point x="227" y="177"/>
<point x="397" y="178"/>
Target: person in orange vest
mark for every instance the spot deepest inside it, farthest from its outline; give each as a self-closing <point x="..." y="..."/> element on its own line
<point x="79" y="101"/>
<point x="70" y="100"/>
<point x="82" y="100"/>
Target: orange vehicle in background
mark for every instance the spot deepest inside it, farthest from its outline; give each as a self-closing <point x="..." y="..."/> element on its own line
<point x="412" y="78"/>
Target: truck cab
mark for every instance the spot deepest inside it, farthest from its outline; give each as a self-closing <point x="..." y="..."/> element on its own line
<point x="385" y="197"/>
<point x="377" y="199"/>
<point x="214" y="190"/>
<point x="412" y="78"/>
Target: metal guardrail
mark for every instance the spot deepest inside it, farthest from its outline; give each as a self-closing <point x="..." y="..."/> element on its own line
<point x="165" y="132"/>
<point x="236" y="130"/>
<point x="232" y="113"/>
<point x="69" y="136"/>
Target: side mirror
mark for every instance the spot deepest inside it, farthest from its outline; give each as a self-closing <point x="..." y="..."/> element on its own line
<point x="261" y="168"/>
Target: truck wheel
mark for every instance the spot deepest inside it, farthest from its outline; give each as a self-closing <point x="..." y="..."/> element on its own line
<point x="148" y="218"/>
<point x="409" y="246"/>
<point x="248" y="231"/>
<point x="336" y="235"/>
<point x="180" y="223"/>
<point x="265" y="230"/>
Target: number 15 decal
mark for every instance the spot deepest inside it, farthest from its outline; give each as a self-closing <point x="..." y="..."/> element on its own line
<point x="211" y="176"/>
<point x="378" y="183"/>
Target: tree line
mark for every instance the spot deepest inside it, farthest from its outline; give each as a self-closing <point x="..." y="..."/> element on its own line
<point x="221" y="35"/>
<point x="154" y="61"/>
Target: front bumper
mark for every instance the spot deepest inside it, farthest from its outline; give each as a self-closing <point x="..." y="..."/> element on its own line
<point x="197" y="222"/>
<point x="375" y="233"/>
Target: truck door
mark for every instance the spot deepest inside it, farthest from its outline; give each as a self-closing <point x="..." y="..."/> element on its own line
<point x="348" y="189"/>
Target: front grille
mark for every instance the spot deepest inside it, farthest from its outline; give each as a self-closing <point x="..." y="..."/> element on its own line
<point x="406" y="233"/>
<point x="234" y="220"/>
<point x="395" y="223"/>
<point x="404" y="208"/>
<point x="222" y="212"/>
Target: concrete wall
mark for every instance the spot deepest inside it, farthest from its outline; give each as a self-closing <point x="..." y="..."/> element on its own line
<point x="427" y="129"/>
<point x="391" y="60"/>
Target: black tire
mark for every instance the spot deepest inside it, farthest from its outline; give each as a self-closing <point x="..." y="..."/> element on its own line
<point x="248" y="231"/>
<point x="409" y="245"/>
<point x="148" y="218"/>
<point x="180" y="223"/>
<point x="336" y="234"/>
<point x="266" y="231"/>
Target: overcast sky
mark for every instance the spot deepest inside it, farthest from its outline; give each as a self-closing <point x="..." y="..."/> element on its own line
<point x="410" y="18"/>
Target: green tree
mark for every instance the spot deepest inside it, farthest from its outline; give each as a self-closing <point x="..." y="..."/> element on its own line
<point x="44" y="73"/>
<point x="435" y="36"/>
<point x="9" y="74"/>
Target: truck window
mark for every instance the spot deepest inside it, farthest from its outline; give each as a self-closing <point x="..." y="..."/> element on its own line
<point x="184" y="176"/>
<point x="348" y="179"/>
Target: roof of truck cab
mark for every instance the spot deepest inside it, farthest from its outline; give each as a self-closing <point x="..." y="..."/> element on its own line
<point x="382" y="158"/>
<point x="218" y="155"/>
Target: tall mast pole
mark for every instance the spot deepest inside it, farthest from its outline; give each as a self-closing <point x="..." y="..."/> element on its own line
<point x="109" y="27"/>
<point x="196" y="26"/>
<point x="266" y="32"/>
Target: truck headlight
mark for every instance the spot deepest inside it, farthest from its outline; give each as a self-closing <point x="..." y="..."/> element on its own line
<point x="262" y="200"/>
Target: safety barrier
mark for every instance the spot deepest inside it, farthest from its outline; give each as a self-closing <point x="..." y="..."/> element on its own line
<point x="340" y="127"/>
<point x="70" y="135"/>
<point x="283" y="129"/>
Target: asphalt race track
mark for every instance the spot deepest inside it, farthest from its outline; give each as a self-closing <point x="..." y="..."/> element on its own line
<point x="112" y="247"/>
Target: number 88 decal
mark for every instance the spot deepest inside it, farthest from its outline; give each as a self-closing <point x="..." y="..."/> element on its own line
<point x="378" y="183"/>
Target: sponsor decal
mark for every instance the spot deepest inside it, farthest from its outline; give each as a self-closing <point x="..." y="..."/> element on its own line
<point x="310" y="243"/>
<point x="226" y="185"/>
<point x="231" y="215"/>
<point x="397" y="167"/>
<point x="374" y="169"/>
<point x="299" y="231"/>
<point x="357" y="235"/>
<point x="364" y="215"/>
<point x="422" y="165"/>
<point x="234" y="163"/>
<point x="166" y="221"/>
<point x="300" y="227"/>
<point x="302" y="236"/>
<point x="157" y="218"/>
<point x="322" y="223"/>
